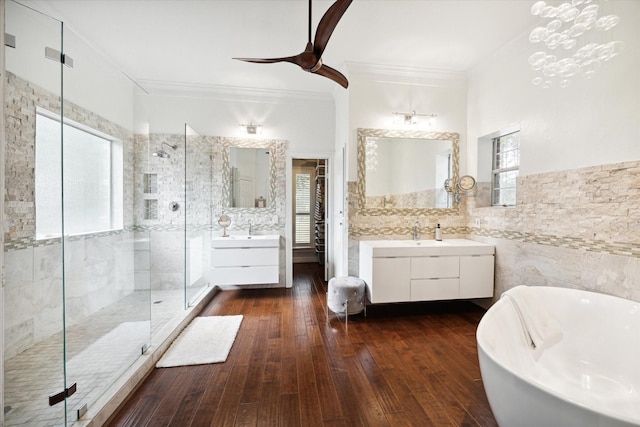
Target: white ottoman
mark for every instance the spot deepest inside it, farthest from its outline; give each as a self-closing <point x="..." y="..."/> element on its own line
<point x="346" y="295"/>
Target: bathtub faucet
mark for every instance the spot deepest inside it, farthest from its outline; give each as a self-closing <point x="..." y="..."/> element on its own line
<point x="416" y="230"/>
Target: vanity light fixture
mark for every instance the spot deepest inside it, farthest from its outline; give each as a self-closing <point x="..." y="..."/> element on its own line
<point x="411" y="118"/>
<point x="252" y="129"/>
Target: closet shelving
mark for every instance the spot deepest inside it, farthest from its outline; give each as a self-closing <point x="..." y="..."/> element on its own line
<point x="318" y="213"/>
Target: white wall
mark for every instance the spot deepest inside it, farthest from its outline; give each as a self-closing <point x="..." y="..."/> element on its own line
<point x="339" y="172"/>
<point x="589" y="123"/>
<point x="306" y="123"/>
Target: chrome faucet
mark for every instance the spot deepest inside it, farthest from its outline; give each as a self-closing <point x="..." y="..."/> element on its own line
<point x="416" y="230"/>
<point x="250" y="232"/>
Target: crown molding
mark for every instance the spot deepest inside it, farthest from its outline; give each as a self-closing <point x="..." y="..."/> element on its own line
<point x="229" y="93"/>
<point x="407" y="75"/>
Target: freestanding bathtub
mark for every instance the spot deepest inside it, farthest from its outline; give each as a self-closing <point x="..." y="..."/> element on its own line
<point x="589" y="378"/>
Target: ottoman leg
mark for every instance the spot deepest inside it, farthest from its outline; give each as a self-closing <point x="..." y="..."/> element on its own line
<point x="364" y="301"/>
<point x="346" y="312"/>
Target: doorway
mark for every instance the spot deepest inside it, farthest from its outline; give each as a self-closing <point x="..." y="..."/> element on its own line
<point x="309" y="211"/>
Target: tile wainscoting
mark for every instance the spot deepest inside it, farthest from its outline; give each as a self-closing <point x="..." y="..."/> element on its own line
<point x="576" y="228"/>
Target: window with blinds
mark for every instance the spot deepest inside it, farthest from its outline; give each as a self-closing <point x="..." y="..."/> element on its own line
<point x="302" y="209"/>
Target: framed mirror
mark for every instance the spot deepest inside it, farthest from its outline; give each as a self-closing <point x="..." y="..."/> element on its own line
<point x="404" y="172"/>
<point x="249" y="177"/>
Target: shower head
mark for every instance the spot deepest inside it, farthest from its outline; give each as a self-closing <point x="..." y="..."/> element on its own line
<point x="163" y="154"/>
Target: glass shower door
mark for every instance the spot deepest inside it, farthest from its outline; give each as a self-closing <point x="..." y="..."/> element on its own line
<point x="107" y="313"/>
<point x="34" y="337"/>
<point x="198" y="171"/>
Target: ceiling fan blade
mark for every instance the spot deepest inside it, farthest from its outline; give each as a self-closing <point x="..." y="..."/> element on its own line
<point x="333" y="74"/>
<point x="292" y="59"/>
<point x="327" y="24"/>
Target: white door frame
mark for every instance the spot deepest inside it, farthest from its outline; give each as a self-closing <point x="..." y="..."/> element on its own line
<point x="329" y="253"/>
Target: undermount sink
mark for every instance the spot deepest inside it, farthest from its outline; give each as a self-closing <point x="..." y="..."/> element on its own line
<point x="246" y="240"/>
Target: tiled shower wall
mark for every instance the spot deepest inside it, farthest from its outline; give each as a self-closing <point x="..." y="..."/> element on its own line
<point x="160" y="237"/>
<point x="575" y="228"/>
<point x="99" y="268"/>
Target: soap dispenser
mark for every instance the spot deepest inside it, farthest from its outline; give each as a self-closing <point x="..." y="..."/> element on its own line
<point x="438" y="233"/>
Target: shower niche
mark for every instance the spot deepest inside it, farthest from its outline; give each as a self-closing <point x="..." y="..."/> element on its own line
<point x="150" y="191"/>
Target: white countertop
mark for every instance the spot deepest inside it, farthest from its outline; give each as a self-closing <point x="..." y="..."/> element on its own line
<point x="246" y="241"/>
<point x="391" y="248"/>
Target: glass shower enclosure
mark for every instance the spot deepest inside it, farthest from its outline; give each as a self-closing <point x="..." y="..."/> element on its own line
<point x="105" y="240"/>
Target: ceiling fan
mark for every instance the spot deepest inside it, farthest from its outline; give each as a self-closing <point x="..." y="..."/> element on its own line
<point x="311" y="58"/>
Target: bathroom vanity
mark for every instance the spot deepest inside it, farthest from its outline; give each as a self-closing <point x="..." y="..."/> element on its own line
<point x="245" y="259"/>
<point x="425" y="270"/>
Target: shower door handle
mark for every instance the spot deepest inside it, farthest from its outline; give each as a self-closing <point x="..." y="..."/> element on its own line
<point x="56" y="398"/>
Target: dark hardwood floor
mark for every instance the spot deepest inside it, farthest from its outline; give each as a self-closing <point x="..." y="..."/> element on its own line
<point x="402" y="365"/>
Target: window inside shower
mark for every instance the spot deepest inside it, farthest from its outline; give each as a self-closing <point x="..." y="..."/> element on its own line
<point x="92" y="171"/>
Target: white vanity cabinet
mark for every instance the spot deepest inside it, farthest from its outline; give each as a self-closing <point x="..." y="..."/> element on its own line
<point x="426" y="270"/>
<point x="245" y="260"/>
<point x="393" y="276"/>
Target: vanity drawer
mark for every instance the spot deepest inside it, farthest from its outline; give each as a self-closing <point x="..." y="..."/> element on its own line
<point x="245" y="275"/>
<point x="239" y="257"/>
<point x="435" y="267"/>
<point x="434" y="289"/>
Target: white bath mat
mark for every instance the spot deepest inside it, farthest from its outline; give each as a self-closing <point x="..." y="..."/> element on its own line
<point x="205" y="340"/>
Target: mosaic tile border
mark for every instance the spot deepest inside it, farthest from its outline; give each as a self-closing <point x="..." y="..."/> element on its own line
<point x="601" y="246"/>
<point x="407" y="211"/>
<point x="403" y="231"/>
<point x="363" y="133"/>
<point x="28" y="242"/>
<point x="576" y="243"/>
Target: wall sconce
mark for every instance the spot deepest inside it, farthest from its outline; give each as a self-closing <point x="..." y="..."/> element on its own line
<point x="409" y="119"/>
<point x="252" y="129"/>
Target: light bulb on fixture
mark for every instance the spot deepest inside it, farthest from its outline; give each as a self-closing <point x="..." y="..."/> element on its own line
<point x="252" y="129"/>
<point x="410" y="119"/>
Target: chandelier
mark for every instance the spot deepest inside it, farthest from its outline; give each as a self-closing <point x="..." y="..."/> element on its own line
<point x="573" y="41"/>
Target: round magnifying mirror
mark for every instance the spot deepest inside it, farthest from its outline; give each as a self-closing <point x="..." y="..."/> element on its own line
<point x="466" y="183"/>
<point x="224" y="221"/>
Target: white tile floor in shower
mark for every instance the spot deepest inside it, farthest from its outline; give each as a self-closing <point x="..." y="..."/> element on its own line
<point x="99" y="351"/>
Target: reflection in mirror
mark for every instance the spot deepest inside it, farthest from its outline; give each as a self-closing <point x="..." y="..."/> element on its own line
<point x="403" y="172"/>
<point x="249" y="180"/>
<point x="408" y="172"/>
<point x="248" y="173"/>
